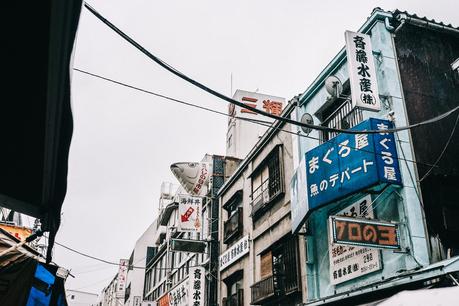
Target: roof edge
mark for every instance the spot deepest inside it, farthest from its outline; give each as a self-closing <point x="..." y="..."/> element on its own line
<point x="377" y="15"/>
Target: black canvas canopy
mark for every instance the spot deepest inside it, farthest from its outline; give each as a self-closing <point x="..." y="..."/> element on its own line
<point x="35" y="113"/>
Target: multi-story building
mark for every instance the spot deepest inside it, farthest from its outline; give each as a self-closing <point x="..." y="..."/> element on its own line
<point x="81" y="298"/>
<point x="259" y="257"/>
<point x="135" y="277"/>
<point x="167" y="269"/>
<point x="395" y="71"/>
<point x="109" y="295"/>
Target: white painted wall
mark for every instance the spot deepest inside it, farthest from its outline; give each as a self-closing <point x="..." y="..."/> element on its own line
<point x="136" y="277"/>
<point x="80" y="298"/>
<point x="244" y="135"/>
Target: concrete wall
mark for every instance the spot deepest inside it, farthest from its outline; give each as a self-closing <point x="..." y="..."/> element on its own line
<point x="269" y="227"/>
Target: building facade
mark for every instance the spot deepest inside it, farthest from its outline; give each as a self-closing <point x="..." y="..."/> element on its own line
<point x="259" y="257"/>
<point x="109" y="295"/>
<point x="81" y="298"/>
<point x="177" y="252"/>
<point x="242" y="134"/>
<point x="135" y="278"/>
<point x="384" y="65"/>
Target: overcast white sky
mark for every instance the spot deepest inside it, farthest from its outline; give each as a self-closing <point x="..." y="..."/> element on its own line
<point x="124" y="141"/>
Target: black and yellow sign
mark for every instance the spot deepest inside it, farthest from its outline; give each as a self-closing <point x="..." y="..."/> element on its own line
<point x="365" y="232"/>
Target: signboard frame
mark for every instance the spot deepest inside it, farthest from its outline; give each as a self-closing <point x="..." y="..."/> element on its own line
<point x="190" y="213"/>
<point x="234" y="253"/>
<point x="362" y="71"/>
<point x="368" y="222"/>
<point x="350" y="262"/>
<point x="351" y="162"/>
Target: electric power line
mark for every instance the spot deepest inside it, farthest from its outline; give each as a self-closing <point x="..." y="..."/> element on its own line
<point x="114" y="263"/>
<point x="240" y="104"/>
<point x="442" y="152"/>
<point x="254" y="121"/>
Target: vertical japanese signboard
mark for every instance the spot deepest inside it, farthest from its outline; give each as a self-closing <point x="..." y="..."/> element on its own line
<point x="349" y="262"/>
<point x="190" y="214"/>
<point x="351" y="162"/>
<point x="164" y="300"/>
<point x="196" y="286"/>
<point x="362" y="72"/>
<point x="179" y="295"/>
<point x="121" y="279"/>
<point x="298" y="194"/>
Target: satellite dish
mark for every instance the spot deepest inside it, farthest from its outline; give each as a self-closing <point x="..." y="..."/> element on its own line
<point x="306" y="118"/>
<point x="333" y="86"/>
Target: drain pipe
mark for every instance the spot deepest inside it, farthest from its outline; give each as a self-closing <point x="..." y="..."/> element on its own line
<point x="389" y="27"/>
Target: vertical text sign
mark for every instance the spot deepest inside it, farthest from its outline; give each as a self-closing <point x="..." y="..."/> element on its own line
<point x="362" y="72"/>
<point x="190" y="214"/>
<point x="196" y="286"/>
<point x="122" y="275"/>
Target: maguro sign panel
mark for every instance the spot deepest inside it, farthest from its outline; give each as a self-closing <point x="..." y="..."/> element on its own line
<point x="349" y="163"/>
<point x="190" y="214"/>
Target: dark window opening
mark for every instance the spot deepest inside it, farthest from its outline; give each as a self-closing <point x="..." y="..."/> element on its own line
<point x="267" y="183"/>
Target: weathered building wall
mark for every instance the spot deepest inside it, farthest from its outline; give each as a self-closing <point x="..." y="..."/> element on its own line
<point x="268" y="225"/>
<point x="431" y="88"/>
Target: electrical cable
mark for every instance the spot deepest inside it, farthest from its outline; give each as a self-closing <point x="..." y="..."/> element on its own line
<point x="443" y="150"/>
<point x="240" y="104"/>
<point x="254" y="121"/>
<point x="111" y="262"/>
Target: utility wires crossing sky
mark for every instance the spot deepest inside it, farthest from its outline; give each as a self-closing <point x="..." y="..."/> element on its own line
<point x="240" y="104"/>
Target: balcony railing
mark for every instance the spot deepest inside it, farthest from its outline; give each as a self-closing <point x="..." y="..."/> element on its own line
<point x="345" y="117"/>
<point x="266" y="289"/>
<point x="266" y="192"/>
<point x="236" y="299"/>
<point x="233" y="226"/>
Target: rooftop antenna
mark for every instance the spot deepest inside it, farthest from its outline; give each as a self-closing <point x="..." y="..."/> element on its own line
<point x="231" y="84"/>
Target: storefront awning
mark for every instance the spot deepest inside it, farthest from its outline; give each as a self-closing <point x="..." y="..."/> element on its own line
<point x="36" y="118"/>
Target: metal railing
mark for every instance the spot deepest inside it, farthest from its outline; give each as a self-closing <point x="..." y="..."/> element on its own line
<point x="266" y="289"/>
<point x="345" y="117"/>
<point x="264" y="193"/>
<point x="233" y="226"/>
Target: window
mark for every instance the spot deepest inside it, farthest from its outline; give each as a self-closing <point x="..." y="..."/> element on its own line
<point x="267" y="182"/>
<point x="337" y="112"/>
<point x="278" y="272"/>
<point x="342" y="117"/>
<point x="235" y="293"/>
<point x="232" y="227"/>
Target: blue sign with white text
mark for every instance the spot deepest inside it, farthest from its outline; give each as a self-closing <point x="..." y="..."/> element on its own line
<point x="351" y="162"/>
